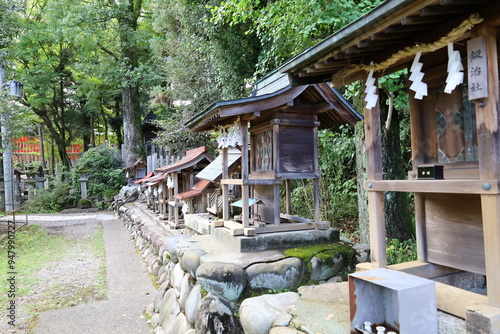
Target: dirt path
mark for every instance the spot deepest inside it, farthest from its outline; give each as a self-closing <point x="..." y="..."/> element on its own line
<point x="129" y="287"/>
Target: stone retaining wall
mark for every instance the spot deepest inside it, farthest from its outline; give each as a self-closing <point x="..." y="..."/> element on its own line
<point x="204" y="288"/>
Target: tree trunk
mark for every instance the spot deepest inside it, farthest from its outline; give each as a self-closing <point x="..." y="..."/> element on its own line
<point x="87" y="134"/>
<point x="397" y="205"/>
<point x="132" y="130"/>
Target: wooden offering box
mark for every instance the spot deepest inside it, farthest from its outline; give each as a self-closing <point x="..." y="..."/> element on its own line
<point x="394" y="299"/>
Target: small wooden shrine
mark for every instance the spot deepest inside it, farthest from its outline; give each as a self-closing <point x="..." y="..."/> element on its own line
<point x="136" y="171"/>
<point x="213" y="174"/>
<point x="277" y="134"/>
<point x="450" y="49"/>
<point x="178" y="178"/>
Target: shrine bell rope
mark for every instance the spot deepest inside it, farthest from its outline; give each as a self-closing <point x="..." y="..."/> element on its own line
<point x="453" y="35"/>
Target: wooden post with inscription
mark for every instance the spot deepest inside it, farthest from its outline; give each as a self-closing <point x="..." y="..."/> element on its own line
<point x="376" y="210"/>
<point x="488" y="129"/>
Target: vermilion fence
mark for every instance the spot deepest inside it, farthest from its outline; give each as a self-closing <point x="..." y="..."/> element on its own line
<point x="27" y="150"/>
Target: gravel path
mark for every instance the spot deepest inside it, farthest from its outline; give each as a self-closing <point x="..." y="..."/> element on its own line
<point x="129" y="288"/>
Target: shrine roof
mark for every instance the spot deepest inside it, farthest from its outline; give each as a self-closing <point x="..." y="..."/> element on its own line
<point x="145" y="178"/>
<point x="191" y="158"/>
<point x="388" y="36"/>
<point x="197" y="189"/>
<point x="332" y="109"/>
<point x="213" y="172"/>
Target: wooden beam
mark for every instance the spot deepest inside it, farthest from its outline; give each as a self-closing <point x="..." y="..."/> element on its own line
<point x="487" y="187"/>
<point x="441" y="10"/>
<point x="455" y="301"/>
<point x="461" y="2"/>
<point x="423" y="20"/>
<point x="423" y="269"/>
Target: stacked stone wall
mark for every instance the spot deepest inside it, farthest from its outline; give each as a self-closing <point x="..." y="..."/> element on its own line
<point x="201" y="291"/>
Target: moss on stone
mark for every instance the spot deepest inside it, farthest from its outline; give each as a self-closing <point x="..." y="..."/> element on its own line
<point x="321" y="251"/>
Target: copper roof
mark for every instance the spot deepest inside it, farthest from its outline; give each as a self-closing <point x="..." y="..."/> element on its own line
<point x="155" y="179"/>
<point x="192" y="158"/>
<point x="148" y="175"/>
<point x="197" y="189"/>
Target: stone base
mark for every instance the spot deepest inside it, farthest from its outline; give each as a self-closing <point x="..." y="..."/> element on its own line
<point x="198" y="222"/>
<point x="274" y="241"/>
<point x="483" y="319"/>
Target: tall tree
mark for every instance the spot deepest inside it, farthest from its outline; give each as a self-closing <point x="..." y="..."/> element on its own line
<point x="285" y="27"/>
<point x="116" y="37"/>
<point x="44" y="54"/>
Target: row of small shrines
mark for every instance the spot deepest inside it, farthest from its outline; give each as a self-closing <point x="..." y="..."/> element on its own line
<point x="189" y="185"/>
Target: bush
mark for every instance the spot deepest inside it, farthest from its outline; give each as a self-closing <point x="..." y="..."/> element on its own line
<point x="401" y="251"/>
<point x="103" y="171"/>
<point x="56" y="198"/>
<point x="105" y="180"/>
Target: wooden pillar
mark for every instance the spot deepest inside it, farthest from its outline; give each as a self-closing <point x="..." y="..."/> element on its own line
<point x="316" y="201"/>
<point x="170" y="198"/>
<point x="176" y="201"/>
<point x="420" y="227"/>
<point x="245" y="158"/>
<point x="375" y="199"/>
<point x="225" y="187"/>
<point x="277" y="205"/>
<point x="488" y="137"/>
<point x="288" y="195"/>
<point x="163" y="199"/>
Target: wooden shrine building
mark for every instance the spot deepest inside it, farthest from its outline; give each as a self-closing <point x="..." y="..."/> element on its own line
<point x="277" y="134"/>
<point x="177" y="178"/>
<point x="450" y="48"/>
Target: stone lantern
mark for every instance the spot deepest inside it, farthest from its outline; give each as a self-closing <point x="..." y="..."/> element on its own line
<point x="83" y="182"/>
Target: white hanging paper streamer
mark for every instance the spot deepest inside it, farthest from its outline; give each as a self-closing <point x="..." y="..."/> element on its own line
<point x="370" y="90"/>
<point x="416" y="76"/>
<point x="185" y="208"/>
<point x="170" y="182"/>
<point x="455" y="76"/>
<point x="229" y="138"/>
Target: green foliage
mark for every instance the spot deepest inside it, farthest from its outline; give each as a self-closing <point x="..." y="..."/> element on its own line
<point x="401" y="251"/>
<point x="200" y="62"/>
<point x="60" y="195"/>
<point x="338" y="193"/>
<point x="284" y="28"/>
<point x="174" y="136"/>
<point x="102" y="167"/>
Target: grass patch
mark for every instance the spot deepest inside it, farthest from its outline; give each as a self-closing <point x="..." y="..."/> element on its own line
<point x="34" y="248"/>
<point x="53" y="271"/>
<point x="98" y="251"/>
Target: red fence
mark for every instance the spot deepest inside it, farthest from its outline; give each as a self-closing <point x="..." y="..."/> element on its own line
<point x="27" y="150"/>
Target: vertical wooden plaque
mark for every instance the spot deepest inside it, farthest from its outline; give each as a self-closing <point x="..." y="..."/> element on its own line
<point x="477" y="68"/>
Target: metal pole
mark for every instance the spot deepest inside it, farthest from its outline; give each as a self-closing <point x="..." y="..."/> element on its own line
<point x="8" y="172"/>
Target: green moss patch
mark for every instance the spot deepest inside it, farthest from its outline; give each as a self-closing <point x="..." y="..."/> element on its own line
<point x="321" y="251"/>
